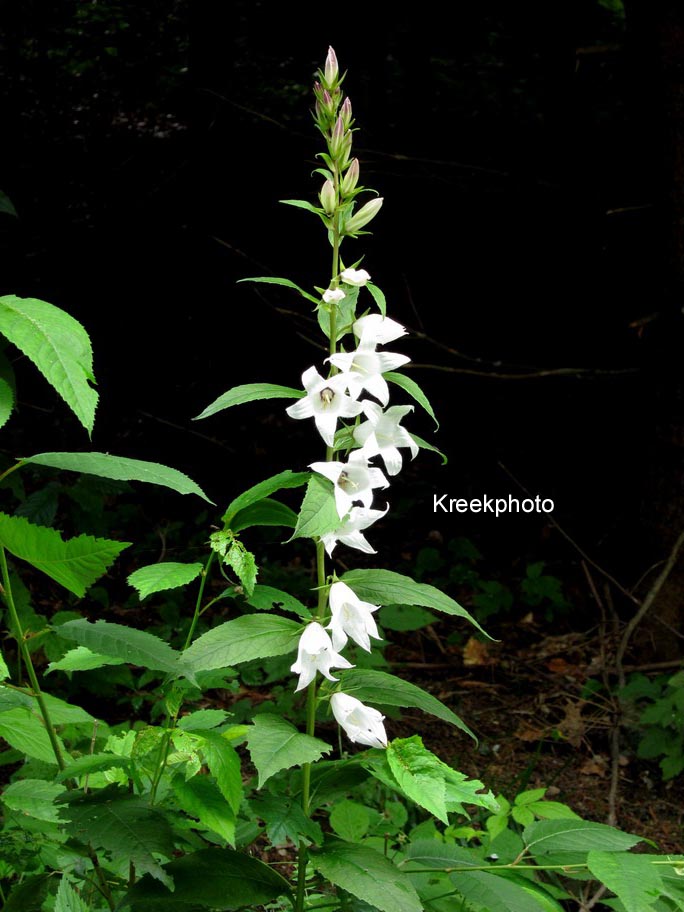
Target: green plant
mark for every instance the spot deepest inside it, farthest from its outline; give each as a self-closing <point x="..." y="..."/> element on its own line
<point x="660" y="724"/>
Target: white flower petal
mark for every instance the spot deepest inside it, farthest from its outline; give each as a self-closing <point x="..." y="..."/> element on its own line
<point x="375" y="329"/>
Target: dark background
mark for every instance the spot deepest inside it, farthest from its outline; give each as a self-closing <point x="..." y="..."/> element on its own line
<point x="531" y="164"/>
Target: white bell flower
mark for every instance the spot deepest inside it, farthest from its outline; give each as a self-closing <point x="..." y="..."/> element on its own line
<point x="326" y="401"/>
<point x="362" y="724"/>
<point x="333" y="295"/>
<point x="357" y="277"/>
<point x="316" y="653"/>
<point x="351" y="618"/>
<point x="374" y="329"/>
<point x="351" y="528"/>
<point x="354" y="480"/>
<point x="364" y="369"/>
<point x="382" y="434"/>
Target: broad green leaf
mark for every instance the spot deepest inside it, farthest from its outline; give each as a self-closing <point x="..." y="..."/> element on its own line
<point x="199" y="797"/>
<point x="92" y="763"/>
<point x="285" y="820"/>
<point x="119" y="468"/>
<point x="75" y="563"/>
<point x="137" y="647"/>
<point x="553" y="810"/>
<point x="68" y="900"/>
<point x="211" y="878"/>
<point x="384" y="587"/>
<point x="496" y="893"/>
<point x="266" y="598"/>
<point x="33" y="797"/>
<point x="255" y="636"/>
<point x="379" y="297"/>
<point x="419" y="775"/>
<point x="286" y="479"/>
<point x="267" y="512"/>
<point x="272" y="280"/>
<point x="58" y="346"/>
<point x="405" y="617"/>
<point x="202" y="720"/>
<point x="274" y="745"/>
<point x="415" y="392"/>
<point x="6" y="205"/>
<point x="243" y="564"/>
<point x="61" y="713"/>
<point x="431" y="853"/>
<point x="80" y="658"/>
<point x="350" y="820"/>
<point x="387" y="689"/>
<point x="551" y="836"/>
<point x="166" y="575"/>
<point x="6" y="401"/>
<point x="23" y="731"/>
<point x="249" y="392"/>
<point x="366" y="874"/>
<point x="224" y="765"/>
<point x="633" y="878"/>
<point x="318" y="513"/>
<point x="4" y="670"/>
<point x="424" y="445"/>
<point x="124" y="825"/>
<point x="29" y="895"/>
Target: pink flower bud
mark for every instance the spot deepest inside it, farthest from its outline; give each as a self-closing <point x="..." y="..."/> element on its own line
<point x="346" y="112"/>
<point x="332" y="69"/>
<point x="337" y="140"/>
<point x="350" y="179"/>
<point x="363" y="216"/>
<point x="327" y="197"/>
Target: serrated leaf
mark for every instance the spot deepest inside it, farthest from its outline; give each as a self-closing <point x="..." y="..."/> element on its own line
<point x="40" y="507"/>
<point x="92" y="763"/>
<point x="318" y="513"/>
<point x="58" y="346"/>
<point x="211" y="878"/>
<point x="249" y="392"/>
<point x="35" y="798"/>
<point x="415" y="392"/>
<point x="285" y="820"/>
<point x="6" y="401"/>
<point x="224" y="765"/>
<point x="633" y="878"/>
<point x="165" y="575"/>
<point x="368" y="875"/>
<point x="384" y="587"/>
<point x="4" y="670"/>
<point x="243" y="564"/>
<point x="274" y="745"/>
<point x="200" y="798"/>
<point x="350" y="820"/>
<point x="551" y="836"/>
<point x="29" y="895"/>
<point x="75" y="563"/>
<point x="387" y="689"/>
<point x="137" y="647"/>
<point x="266" y="598"/>
<point x="434" y="854"/>
<point x="419" y="775"/>
<point x="378" y="296"/>
<point x="68" y="900"/>
<point x="286" y="479"/>
<point x="80" y="658"/>
<point x="119" y="468"/>
<point x="273" y="280"/>
<point x="23" y="731"/>
<point x="255" y="636"/>
<point x="202" y="720"/>
<point x="496" y="893"/>
<point x="267" y="512"/>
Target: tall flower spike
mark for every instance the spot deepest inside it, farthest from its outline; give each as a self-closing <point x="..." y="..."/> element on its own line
<point x="316" y="653"/>
<point x="350" y="530"/>
<point x="381" y="435"/>
<point x="353" y="480"/>
<point x="362" y="724"/>
<point x="364" y="369"/>
<point x="325" y="401"/>
<point x="351" y="618"/>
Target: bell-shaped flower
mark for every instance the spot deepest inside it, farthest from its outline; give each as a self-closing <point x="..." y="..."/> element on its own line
<point x="362" y="724"/>
<point x="354" y="480"/>
<point x="381" y="435"/>
<point x="316" y="653"/>
<point x="358" y="277"/>
<point x="364" y="369"/>
<point x="326" y="401"/>
<point x="351" y="618"/>
<point x="333" y="295"/>
<point x="350" y="531"/>
<point x="374" y="329"/>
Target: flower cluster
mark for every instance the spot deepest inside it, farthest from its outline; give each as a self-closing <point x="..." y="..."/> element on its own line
<point x="355" y="388"/>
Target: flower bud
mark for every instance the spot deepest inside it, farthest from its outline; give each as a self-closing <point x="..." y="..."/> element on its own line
<point x="327" y="197"/>
<point x="338" y="138"/>
<point x="350" y="179"/>
<point x="363" y="216"/>
<point x="333" y="295"/>
<point x="332" y="70"/>
<point x="346" y="112"/>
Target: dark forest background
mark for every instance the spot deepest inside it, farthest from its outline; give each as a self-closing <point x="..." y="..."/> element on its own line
<point x="531" y="158"/>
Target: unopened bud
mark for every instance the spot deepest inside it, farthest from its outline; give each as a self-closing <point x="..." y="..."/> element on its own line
<point x="350" y="179"/>
<point x="327" y="197"/>
<point x="346" y="112"/>
<point x="332" y="70"/>
<point x="363" y="216"/>
<point x="337" y="140"/>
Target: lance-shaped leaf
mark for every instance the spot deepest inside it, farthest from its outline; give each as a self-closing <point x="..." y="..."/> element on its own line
<point x="288" y="283"/>
<point x="633" y="878"/>
<point x="424" y="445"/>
<point x="75" y="563"/>
<point x="26" y="733"/>
<point x="93" y="763"/>
<point x="255" y="636"/>
<point x="274" y="745"/>
<point x="286" y="479"/>
<point x="224" y="765"/>
<point x="58" y="346"/>
<point x="119" y="468"/>
<point x="379" y="297"/>
<point x="249" y="392"/>
<point x="68" y="900"/>
<point x="165" y="575"/>
<point x="200" y="798"/>
<point x="501" y="894"/>
<point x="318" y="513"/>
<point x="266" y="598"/>
<point x="80" y="658"/>
<point x="267" y="512"/>
<point x="137" y="647"/>
<point x="551" y="837"/>
<point x="35" y="798"/>
<point x="415" y="392"/>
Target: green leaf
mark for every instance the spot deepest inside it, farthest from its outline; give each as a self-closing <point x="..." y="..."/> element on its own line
<point x="434" y="854"/>
<point x="249" y="392"/>
<point x="68" y="900"/>
<point x="368" y="875"/>
<point x="200" y="798"/>
<point x="267" y="512"/>
<point x="350" y="820"/>
<point x="551" y="836"/>
<point x="243" y="564"/>
<point x="286" y="479"/>
<point x="4" y="670"/>
<point x="419" y="775"/>
<point x="384" y="587"/>
<point x="254" y="636"/>
<point x="61" y="713"/>
<point x="389" y="690"/>
<point x="29" y="895"/>
<point x="80" y="658"/>
<point x="415" y="392"/>
<point x="6" y="205"/>
<point x="633" y="878"/>
<point x="211" y="878"/>
<point x="137" y="647"/>
<point x="58" y="346"/>
<point x="345" y="313"/>
<point x="92" y="763"/>
<point x="166" y="575"/>
<point x="33" y="797"/>
<point x="379" y="297"/>
<point x="318" y="513"/>
<point x="404" y="617"/>
<point x="75" y="563"/>
<point x="424" y="445"/>
<point x="496" y="893"/>
<point x="6" y="401"/>
<point x="303" y="204"/>
<point x="285" y="820"/>
<point x="272" y="280"/>
<point x="274" y="745"/>
<point x="224" y="765"/>
<point x="124" y="825"/>
<point x="119" y="468"/>
<point x="266" y="598"/>
<point x="23" y="731"/>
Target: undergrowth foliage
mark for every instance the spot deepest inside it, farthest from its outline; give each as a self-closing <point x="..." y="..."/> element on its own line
<point x="199" y="809"/>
